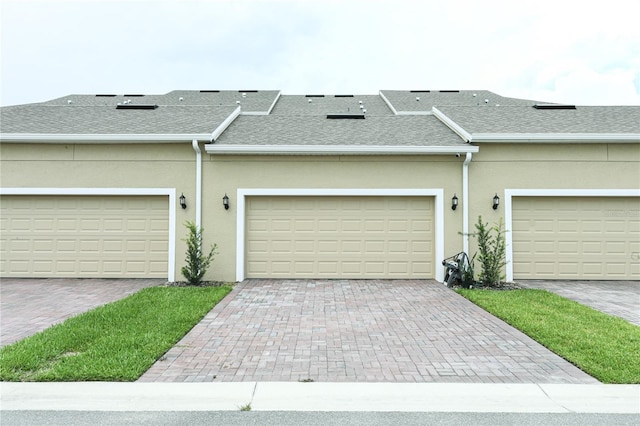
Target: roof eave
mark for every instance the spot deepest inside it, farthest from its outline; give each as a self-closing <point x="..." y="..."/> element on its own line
<point x="336" y="150"/>
<point x="556" y="137"/>
<point x="101" y="138"/>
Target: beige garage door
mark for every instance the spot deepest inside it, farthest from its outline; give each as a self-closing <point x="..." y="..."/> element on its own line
<point x="340" y="237"/>
<point x="84" y="236"/>
<point x="576" y="238"/>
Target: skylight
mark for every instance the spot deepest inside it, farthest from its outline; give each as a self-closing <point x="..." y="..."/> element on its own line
<point x="134" y="106"/>
<point x="346" y="116"/>
<point x="554" y="106"/>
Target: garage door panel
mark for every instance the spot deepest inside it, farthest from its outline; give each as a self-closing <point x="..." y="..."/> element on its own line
<point x="575" y="237"/>
<point x="340" y="237"/>
<point x="84" y="236"/>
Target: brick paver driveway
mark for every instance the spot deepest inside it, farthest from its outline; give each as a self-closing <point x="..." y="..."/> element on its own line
<point x="28" y="306"/>
<point x="619" y="298"/>
<point x="358" y="331"/>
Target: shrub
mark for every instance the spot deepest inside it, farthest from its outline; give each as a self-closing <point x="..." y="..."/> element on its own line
<point x="197" y="262"/>
<point x="491" y="252"/>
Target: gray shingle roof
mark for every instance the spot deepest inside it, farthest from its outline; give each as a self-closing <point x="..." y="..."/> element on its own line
<point x="260" y="101"/>
<point x="526" y="119"/>
<point x="75" y="119"/>
<point x="319" y="130"/>
<point x="407" y="101"/>
<point x="300" y="105"/>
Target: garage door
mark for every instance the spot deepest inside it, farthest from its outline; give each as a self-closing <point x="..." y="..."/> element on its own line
<point x="84" y="236"/>
<point x="340" y="237"/>
<point x="576" y="238"/>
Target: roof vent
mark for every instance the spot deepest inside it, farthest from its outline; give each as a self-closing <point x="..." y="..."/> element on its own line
<point x="134" y="96"/>
<point x="346" y="116"/>
<point x="209" y="91"/>
<point x="419" y="91"/>
<point x="314" y="96"/>
<point x="343" y="96"/>
<point x="105" y="96"/>
<point x="248" y="91"/>
<point x="554" y="106"/>
<point x="136" y="106"/>
<point x="449" y="91"/>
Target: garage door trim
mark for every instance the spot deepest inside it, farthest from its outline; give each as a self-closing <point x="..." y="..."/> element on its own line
<point x="170" y="192"/>
<point x="242" y="193"/>
<point x="508" y="209"/>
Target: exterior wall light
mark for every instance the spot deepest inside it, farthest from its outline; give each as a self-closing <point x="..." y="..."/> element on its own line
<point x="225" y="202"/>
<point x="183" y="202"/>
<point x="454" y="202"/>
<point x="496" y="202"/>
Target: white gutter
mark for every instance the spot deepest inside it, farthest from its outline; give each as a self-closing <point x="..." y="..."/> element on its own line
<point x="336" y="149"/>
<point x="196" y="148"/>
<point x="99" y="138"/>
<point x="451" y="124"/>
<point x="465" y="203"/>
<point x="555" y="137"/>
<point x="226" y="123"/>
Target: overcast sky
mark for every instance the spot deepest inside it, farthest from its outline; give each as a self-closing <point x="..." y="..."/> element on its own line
<point x="580" y="52"/>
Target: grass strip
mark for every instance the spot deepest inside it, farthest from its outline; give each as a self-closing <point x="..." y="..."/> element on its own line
<point x="115" y="342"/>
<point x="604" y="346"/>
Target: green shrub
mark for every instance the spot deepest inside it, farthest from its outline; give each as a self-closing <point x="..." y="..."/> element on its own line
<point x="491" y="252"/>
<point x="197" y="262"/>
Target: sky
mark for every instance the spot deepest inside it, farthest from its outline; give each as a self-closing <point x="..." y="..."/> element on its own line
<point x="577" y="52"/>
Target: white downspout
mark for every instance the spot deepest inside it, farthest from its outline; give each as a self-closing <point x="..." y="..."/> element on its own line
<point x="196" y="148"/>
<point x="465" y="203"/>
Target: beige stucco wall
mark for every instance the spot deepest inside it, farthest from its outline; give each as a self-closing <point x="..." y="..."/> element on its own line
<point x="226" y="174"/>
<point x="495" y="168"/>
<point x="503" y="166"/>
<point x="105" y="166"/>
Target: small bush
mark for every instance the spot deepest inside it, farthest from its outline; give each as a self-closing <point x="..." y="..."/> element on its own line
<point x="491" y="252"/>
<point x="197" y="262"/>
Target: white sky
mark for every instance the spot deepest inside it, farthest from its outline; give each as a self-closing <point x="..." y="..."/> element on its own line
<point x="583" y="52"/>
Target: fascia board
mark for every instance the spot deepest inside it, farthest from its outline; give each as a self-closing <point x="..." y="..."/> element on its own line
<point x="337" y="149"/>
<point x="99" y="138"/>
<point x="226" y="123"/>
<point x="556" y="137"/>
<point x="451" y="124"/>
<point x="386" y="101"/>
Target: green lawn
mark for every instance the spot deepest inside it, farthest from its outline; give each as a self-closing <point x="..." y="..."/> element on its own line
<point x="604" y="346"/>
<point x="115" y="342"/>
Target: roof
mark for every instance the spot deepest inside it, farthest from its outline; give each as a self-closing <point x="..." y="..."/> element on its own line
<point x="97" y="120"/>
<point x="445" y="120"/>
<point x="386" y="130"/>
<point x="526" y="121"/>
<point x="414" y="101"/>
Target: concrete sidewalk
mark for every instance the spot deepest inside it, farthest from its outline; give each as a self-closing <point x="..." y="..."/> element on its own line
<point x="296" y="396"/>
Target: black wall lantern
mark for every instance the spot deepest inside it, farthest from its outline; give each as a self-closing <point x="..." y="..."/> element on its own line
<point x="496" y="202"/>
<point x="225" y="202"/>
<point x="454" y="202"/>
<point x="183" y="201"/>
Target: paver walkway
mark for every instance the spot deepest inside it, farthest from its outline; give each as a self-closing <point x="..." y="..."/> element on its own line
<point x="356" y="331"/>
<point x="619" y="298"/>
<point x="28" y="306"/>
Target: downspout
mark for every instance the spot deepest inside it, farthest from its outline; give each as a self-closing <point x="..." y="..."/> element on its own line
<point x="465" y="203"/>
<point x="196" y="148"/>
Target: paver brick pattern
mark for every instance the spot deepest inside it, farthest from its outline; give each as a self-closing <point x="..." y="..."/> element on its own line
<point x="28" y="305"/>
<point x="356" y="331"/>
